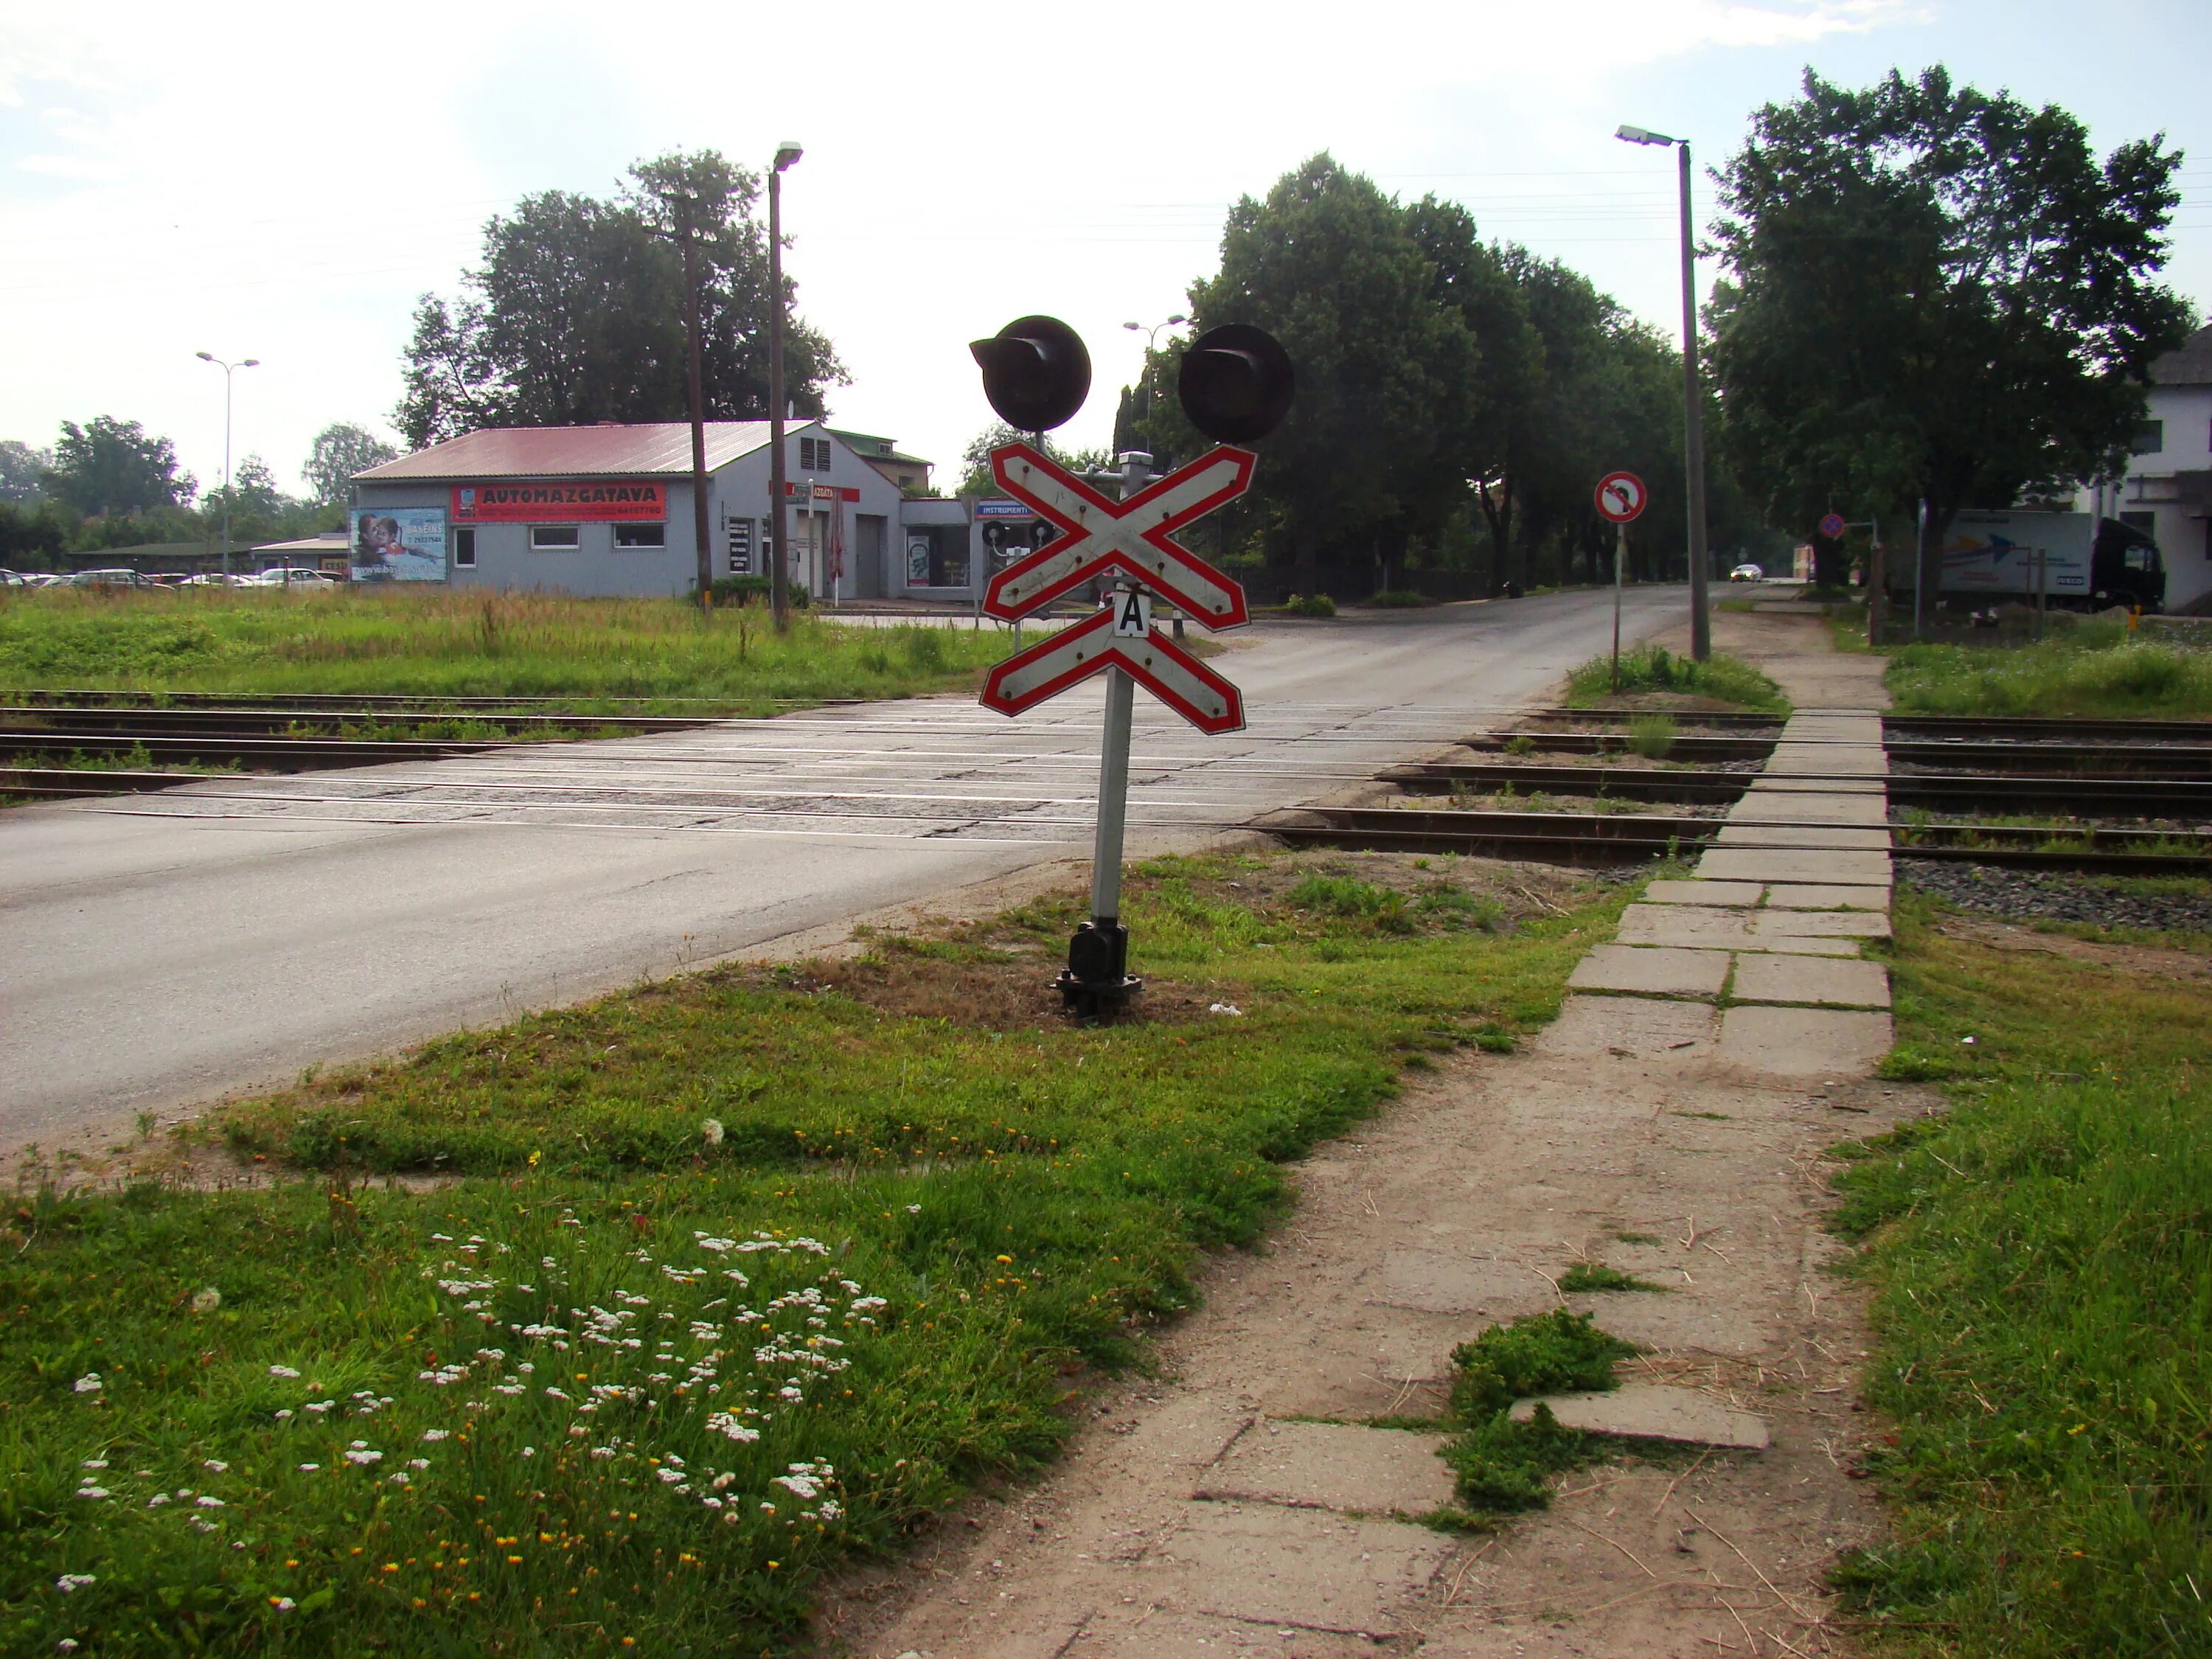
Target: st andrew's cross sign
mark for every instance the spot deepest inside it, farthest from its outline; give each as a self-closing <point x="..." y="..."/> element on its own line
<point x="1133" y="538"/>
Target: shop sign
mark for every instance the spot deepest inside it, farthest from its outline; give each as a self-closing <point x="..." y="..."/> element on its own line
<point x="587" y="502"/>
<point x="1002" y="510"/>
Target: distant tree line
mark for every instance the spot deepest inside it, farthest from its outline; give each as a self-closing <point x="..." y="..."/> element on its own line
<point x="1457" y="400"/>
<point x="1929" y="293"/>
<point x="110" y="484"/>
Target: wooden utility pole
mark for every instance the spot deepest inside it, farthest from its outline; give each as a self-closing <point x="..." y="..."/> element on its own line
<point x="701" y="526"/>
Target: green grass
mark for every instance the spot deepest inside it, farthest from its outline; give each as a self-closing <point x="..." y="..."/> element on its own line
<point x="137" y="758"/>
<point x="1501" y="1466"/>
<point x="460" y="642"/>
<point x="1026" y="1196"/>
<point x="1652" y="736"/>
<point x="1591" y="1276"/>
<point x="2042" y="1268"/>
<point x="2094" y="670"/>
<point x="1720" y="678"/>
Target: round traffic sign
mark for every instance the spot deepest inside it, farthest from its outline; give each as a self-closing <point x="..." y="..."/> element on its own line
<point x="1621" y="497"/>
<point x="1833" y="526"/>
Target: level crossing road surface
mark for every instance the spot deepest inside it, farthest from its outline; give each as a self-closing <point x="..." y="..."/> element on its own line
<point x="157" y="950"/>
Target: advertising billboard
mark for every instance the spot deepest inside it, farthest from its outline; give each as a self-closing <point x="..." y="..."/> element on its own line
<point x="399" y="544"/>
<point x="591" y="501"/>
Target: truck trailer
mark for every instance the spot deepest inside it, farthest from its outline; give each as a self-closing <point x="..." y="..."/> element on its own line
<point x="1993" y="558"/>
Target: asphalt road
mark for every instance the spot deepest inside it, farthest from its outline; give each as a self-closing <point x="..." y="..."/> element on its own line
<point x="159" y="951"/>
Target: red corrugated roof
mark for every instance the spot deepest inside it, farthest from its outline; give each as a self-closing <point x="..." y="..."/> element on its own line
<point x="576" y="452"/>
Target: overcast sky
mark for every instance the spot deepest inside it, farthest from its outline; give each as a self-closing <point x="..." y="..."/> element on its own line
<point x="283" y="181"/>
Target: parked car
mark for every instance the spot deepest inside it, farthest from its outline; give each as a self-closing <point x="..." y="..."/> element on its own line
<point x="1747" y="573"/>
<point x="215" y="579"/>
<point x="110" y="579"/>
<point x="296" y="576"/>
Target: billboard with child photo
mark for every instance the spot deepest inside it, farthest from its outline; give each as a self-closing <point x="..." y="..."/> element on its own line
<point x="399" y="544"/>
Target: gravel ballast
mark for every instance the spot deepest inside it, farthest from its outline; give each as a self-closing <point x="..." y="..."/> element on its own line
<point x="2043" y="895"/>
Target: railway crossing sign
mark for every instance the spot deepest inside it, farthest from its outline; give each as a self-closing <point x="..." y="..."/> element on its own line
<point x="1133" y="538"/>
<point x="1236" y="386"/>
<point x="1621" y="497"/>
<point x="1833" y="526"/>
<point x="1118" y="635"/>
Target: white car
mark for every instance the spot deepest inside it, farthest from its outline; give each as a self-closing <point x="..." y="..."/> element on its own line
<point x="1747" y="573"/>
<point x="297" y="576"/>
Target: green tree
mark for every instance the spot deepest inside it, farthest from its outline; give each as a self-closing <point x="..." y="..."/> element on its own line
<point x="1330" y="266"/>
<point x="1934" y="294"/>
<point x="576" y="314"/>
<point x="342" y="449"/>
<point x="976" y="477"/>
<point x="109" y="465"/>
<point x="21" y="469"/>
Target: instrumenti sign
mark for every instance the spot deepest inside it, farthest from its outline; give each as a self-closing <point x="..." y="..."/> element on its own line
<point x="590" y="502"/>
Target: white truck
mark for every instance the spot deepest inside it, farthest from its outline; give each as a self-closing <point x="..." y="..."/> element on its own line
<point x="1999" y="557"/>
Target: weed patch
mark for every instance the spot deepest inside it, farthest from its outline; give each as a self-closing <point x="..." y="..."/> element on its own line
<point x="1502" y="1466"/>
<point x="2092" y="669"/>
<point x="1721" y="679"/>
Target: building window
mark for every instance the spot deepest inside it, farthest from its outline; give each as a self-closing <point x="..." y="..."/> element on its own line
<point x="641" y="535"/>
<point x="464" y="547"/>
<point x="813" y="454"/>
<point x="554" y="537"/>
<point x="2150" y="438"/>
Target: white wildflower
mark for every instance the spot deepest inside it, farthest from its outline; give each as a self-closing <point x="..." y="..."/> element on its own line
<point x="92" y="1491"/>
<point x="363" y="1455"/>
<point x="93" y="1463"/>
<point x="69" y="1583"/>
<point x="88" y="1383"/>
<point x="207" y="1300"/>
<point x="712" y="1131"/>
<point x="282" y="1370"/>
<point x="216" y="1464"/>
<point x="437" y="1434"/>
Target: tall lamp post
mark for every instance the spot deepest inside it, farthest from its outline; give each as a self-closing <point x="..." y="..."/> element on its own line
<point x="1693" y="436"/>
<point x="1152" y="334"/>
<point x="779" y="567"/>
<point x="227" y="368"/>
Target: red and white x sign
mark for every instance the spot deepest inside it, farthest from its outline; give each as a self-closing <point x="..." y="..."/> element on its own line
<point x="1135" y="538"/>
<point x="1154" y="660"/>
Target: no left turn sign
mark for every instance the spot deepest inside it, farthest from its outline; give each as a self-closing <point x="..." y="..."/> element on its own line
<point x="1621" y="497"/>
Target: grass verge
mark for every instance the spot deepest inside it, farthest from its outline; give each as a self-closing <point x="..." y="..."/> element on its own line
<point x="466" y="643"/>
<point x="665" y="1304"/>
<point x="2042" y="1275"/>
<point x="1721" y="679"/>
<point x="2091" y="669"/>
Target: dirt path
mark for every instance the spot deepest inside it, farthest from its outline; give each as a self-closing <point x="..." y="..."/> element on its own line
<point x="1236" y="1502"/>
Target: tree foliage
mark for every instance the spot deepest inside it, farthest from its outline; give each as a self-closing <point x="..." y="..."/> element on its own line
<point x="108" y="466"/>
<point x="342" y="449"/>
<point x="976" y="477"/>
<point x="22" y="467"/>
<point x="1936" y="293"/>
<point x="1455" y="397"/>
<point x="576" y="313"/>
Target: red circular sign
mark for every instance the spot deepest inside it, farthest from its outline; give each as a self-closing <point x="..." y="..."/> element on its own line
<point x="1833" y="526"/>
<point x="1621" y="497"/>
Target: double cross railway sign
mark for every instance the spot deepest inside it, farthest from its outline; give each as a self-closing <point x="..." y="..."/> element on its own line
<point x="1134" y="542"/>
<point x="1235" y="386"/>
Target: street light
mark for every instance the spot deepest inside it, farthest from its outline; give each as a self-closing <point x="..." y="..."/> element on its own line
<point x="778" y="566"/>
<point x="1693" y="437"/>
<point x="1152" y="344"/>
<point x="227" y="368"/>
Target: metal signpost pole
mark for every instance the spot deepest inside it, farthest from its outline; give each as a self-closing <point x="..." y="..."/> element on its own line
<point x="1920" y="576"/>
<point x="1620" y="557"/>
<point x="1877" y="579"/>
<point x="1113" y="811"/>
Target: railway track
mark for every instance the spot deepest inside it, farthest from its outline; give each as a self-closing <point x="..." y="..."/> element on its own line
<point x="2124" y="796"/>
<point x="1612" y="838"/>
